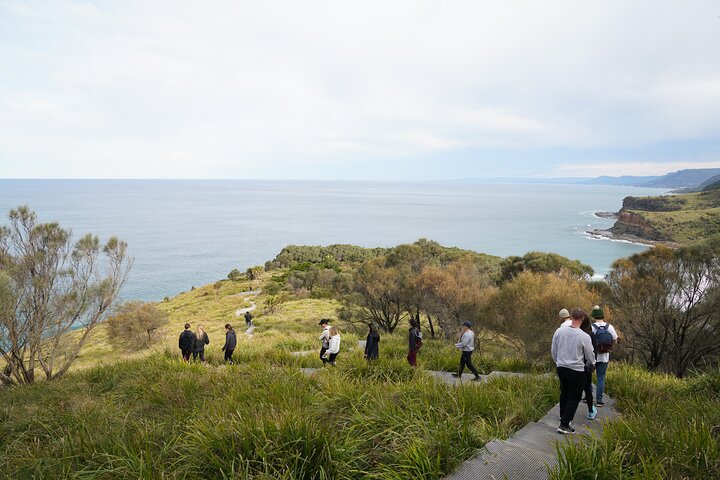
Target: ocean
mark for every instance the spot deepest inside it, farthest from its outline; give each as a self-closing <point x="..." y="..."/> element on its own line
<point x="184" y="233"/>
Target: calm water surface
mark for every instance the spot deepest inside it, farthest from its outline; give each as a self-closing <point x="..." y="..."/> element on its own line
<point x="185" y="233"/>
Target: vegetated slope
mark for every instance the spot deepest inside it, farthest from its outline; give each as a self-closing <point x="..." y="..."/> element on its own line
<point x="678" y="218"/>
<point x="691" y="177"/>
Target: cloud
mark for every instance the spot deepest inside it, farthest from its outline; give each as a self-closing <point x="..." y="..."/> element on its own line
<point x="294" y="90"/>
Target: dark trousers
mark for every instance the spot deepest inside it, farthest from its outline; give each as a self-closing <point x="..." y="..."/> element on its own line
<point x="466" y="359"/>
<point x="412" y="357"/>
<point x="322" y="355"/>
<point x="331" y="358"/>
<point x="199" y="353"/>
<point x="228" y="356"/>
<point x="572" y="384"/>
<point x="186" y="355"/>
<point x="588" y="390"/>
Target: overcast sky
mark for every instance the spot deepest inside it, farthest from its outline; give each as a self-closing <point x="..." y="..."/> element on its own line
<point x="357" y="89"/>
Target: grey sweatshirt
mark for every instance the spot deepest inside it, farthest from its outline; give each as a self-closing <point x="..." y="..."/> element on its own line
<point x="467" y="341"/>
<point x="572" y="348"/>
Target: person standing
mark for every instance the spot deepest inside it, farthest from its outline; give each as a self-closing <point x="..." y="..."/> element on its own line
<point x="186" y="343"/>
<point x="230" y="343"/>
<point x="414" y="341"/>
<point x="334" y="347"/>
<point x="586" y="327"/>
<point x="571" y="350"/>
<point x="201" y="339"/>
<point x="324" y="339"/>
<point x="564" y="316"/>
<point x="248" y="319"/>
<point x="606" y="340"/>
<point x="372" y="347"/>
<point x="467" y="345"/>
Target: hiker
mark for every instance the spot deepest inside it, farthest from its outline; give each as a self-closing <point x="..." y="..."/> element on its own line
<point x="230" y="343"/>
<point x="248" y="319"/>
<point x="201" y="339"/>
<point x="414" y="341"/>
<point x="586" y="327"/>
<point x="467" y="345"/>
<point x="606" y="340"/>
<point x="334" y="346"/>
<point x="571" y="350"/>
<point x="372" y="343"/>
<point x="324" y="339"/>
<point x="186" y="343"/>
<point x="564" y="318"/>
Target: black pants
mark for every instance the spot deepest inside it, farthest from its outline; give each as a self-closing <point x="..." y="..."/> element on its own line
<point x="199" y="353"/>
<point x="228" y="356"/>
<point x="466" y="359"/>
<point x="588" y="390"/>
<point x="572" y="384"/>
<point x="186" y="354"/>
<point x="332" y="357"/>
<point x="322" y="355"/>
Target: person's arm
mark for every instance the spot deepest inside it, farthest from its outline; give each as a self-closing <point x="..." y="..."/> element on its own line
<point x="180" y="341"/>
<point x="588" y="350"/>
<point x="554" y="347"/>
<point x="207" y="339"/>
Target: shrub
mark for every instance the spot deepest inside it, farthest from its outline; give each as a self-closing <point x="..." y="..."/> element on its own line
<point x="135" y="325"/>
<point x="235" y="275"/>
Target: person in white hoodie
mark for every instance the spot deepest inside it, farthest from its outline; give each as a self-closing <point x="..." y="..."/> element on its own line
<point x="334" y="348"/>
<point x="571" y="350"/>
<point x="467" y="345"/>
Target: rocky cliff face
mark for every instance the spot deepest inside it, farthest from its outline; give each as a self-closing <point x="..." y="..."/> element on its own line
<point x="630" y="223"/>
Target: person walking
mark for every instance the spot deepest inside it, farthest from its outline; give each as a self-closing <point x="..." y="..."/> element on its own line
<point x="372" y="347"/>
<point x="201" y="339"/>
<point x="186" y="343"/>
<point x="324" y="339"/>
<point x="571" y="350"/>
<point x="334" y="347"/>
<point x="586" y="327"/>
<point x="467" y="345"/>
<point x="564" y="316"/>
<point x="606" y="339"/>
<point x="414" y="341"/>
<point x="230" y="343"/>
<point x="248" y="319"/>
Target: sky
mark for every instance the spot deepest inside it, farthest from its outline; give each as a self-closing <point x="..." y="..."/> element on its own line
<point x="359" y="90"/>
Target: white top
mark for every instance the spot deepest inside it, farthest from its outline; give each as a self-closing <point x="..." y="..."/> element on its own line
<point x="572" y="348"/>
<point x="334" y="344"/>
<point x="325" y="336"/>
<point x="467" y="341"/>
<point x="604" y="357"/>
<point x="566" y="323"/>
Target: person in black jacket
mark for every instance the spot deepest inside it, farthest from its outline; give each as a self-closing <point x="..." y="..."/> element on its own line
<point x="372" y="343"/>
<point x="586" y="327"/>
<point x="186" y="343"/>
<point x="201" y="339"/>
<point x="414" y="342"/>
<point x="230" y="343"/>
<point x="248" y="319"/>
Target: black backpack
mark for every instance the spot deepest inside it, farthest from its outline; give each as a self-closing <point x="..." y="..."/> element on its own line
<point x="604" y="338"/>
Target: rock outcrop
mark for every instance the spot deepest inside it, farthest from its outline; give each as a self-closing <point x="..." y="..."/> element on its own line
<point x="633" y="224"/>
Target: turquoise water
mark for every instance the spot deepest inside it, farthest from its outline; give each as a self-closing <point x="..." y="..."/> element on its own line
<point x="185" y="233"/>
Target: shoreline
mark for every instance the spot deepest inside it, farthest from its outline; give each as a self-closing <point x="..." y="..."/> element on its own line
<point x="600" y="234"/>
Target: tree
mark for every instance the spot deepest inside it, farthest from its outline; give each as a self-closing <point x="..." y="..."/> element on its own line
<point x="254" y="273"/>
<point x="135" y="325"/>
<point x="540" y="262"/>
<point x="669" y="303"/>
<point x="235" y="275"/>
<point x="50" y="287"/>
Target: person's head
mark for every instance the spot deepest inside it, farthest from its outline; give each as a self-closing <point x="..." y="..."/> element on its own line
<point x="585" y="325"/>
<point x="187" y="326"/>
<point x="228" y="327"/>
<point x="334" y="331"/>
<point x="466" y="325"/>
<point x="597" y="313"/>
<point x="413" y="322"/>
<point x="324" y="322"/>
<point x="577" y="316"/>
<point x="564" y="314"/>
<point x="200" y="331"/>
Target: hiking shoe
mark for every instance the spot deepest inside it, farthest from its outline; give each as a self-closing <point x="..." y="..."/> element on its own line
<point x="565" y="430"/>
<point x="477" y="379"/>
<point x="600" y="404"/>
<point x="592" y="413"/>
<point x="456" y="375"/>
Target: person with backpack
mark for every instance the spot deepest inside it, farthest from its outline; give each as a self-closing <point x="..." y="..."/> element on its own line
<point x="324" y="339"/>
<point x="230" y="343"/>
<point x="606" y="340"/>
<point x="414" y="341"/>
<point x="586" y="327"/>
<point x="372" y="346"/>
<point x="571" y="351"/>
<point x="467" y="345"/>
<point x="201" y="339"/>
<point x="248" y="319"/>
<point x="186" y="343"/>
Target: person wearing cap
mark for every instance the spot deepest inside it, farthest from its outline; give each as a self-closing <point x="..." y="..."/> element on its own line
<point x="467" y="345"/>
<point x="602" y="358"/>
<point x="565" y="318"/>
<point x="324" y="339"/>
